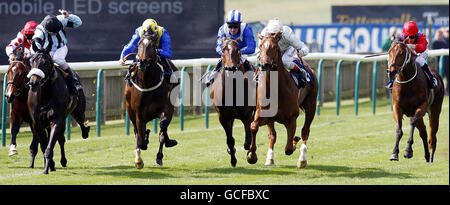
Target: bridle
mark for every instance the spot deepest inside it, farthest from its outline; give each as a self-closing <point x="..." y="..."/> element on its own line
<point x="405" y="62"/>
<point x="23" y="76"/>
<point x="268" y="65"/>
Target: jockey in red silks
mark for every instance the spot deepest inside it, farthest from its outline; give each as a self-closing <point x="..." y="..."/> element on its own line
<point x="417" y="43"/>
<point x="24" y="37"/>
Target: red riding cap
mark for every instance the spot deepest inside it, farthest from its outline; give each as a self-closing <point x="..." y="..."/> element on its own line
<point x="29" y="27"/>
<point x="410" y="29"/>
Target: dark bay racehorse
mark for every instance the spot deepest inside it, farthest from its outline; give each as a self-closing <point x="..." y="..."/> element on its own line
<point x="147" y="98"/>
<point x="290" y="99"/>
<point x="231" y="61"/>
<point x="412" y="97"/>
<point x="17" y="94"/>
<point x="49" y="103"/>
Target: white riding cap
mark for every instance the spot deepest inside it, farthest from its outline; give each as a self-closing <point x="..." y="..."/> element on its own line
<point x="274" y="25"/>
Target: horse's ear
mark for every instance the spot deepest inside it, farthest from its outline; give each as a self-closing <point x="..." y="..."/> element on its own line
<point x="278" y="35"/>
<point x="223" y="39"/>
<point x="154" y="36"/>
<point x="260" y="36"/>
<point x="47" y="49"/>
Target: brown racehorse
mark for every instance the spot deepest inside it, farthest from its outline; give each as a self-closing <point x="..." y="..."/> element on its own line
<point x="290" y="99"/>
<point x="147" y="98"/>
<point x="17" y="94"/>
<point x="231" y="61"/>
<point x="412" y="97"/>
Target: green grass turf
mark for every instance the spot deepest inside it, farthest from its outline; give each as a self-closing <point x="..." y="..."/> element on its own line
<point x="344" y="149"/>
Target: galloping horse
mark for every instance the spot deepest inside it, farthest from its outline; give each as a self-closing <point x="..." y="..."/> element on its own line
<point x="231" y="61"/>
<point x="49" y="103"/>
<point x="147" y="98"/>
<point x="411" y="97"/>
<point x="17" y="95"/>
<point x="290" y="99"/>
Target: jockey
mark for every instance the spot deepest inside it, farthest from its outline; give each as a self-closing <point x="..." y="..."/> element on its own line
<point x="234" y="29"/>
<point x="51" y="34"/>
<point x="416" y="42"/>
<point x="23" y="38"/>
<point x="291" y="48"/>
<point x="163" y="43"/>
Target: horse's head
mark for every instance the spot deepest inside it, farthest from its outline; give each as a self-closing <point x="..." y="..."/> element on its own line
<point x="17" y="73"/>
<point x="41" y="68"/>
<point x="270" y="52"/>
<point x="147" y="50"/>
<point x="231" y="54"/>
<point x="399" y="57"/>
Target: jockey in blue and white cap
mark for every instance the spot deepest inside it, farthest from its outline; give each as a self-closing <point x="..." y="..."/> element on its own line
<point x="234" y="29"/>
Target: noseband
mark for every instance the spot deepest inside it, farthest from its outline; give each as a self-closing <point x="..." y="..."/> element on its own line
<point x="19" y="89"/>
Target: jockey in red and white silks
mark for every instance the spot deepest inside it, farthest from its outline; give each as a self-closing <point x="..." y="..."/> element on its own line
<point x="23" y="38"/>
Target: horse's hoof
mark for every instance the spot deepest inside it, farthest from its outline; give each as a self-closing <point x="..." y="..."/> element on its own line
<point x="171" y="143"/>
<point x="139" y="165"/>
<point x="233" y="162"/>
<point x="63" y="162"/>
<point x="408" y="155"/>
<point x="269" y="162"/>
<point x="85" y="133"/>
<point x="12" y="150"/>
<point x="251" y="158"/>
<point x="45" y="172"/>
<point x="159" y="162"/>
<point x="288" y="152"/>
<point x="394" y="157"/>
<point x="246" y="146"/>
<point x="301" y="164"/>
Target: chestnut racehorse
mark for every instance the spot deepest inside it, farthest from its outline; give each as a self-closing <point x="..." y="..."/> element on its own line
<point x="231" y="61"/>
<point x="412" y="97"/>
<point x="147" y="98"/>
<point x="290" y="99"/>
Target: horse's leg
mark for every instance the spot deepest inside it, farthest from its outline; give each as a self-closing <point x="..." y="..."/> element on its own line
<point x="248" y="135"/>
<point x="434" y="126"/>
<point x="14" y="131"/>
<point x="291" y="126"/>
<point x="61" y="142"/>
<point x="420" y="112"/>
<point x="141" y="142"/>
<point x="423" y="134"/>
<point x="310" y="112"/>
<point x="252" y="158"/>
<point x="272" y="139"/>
<point x="79" y="114"/>
<point x="165" y="119"/>
<point x="227" y="124"/>
<point x="397" y="112"/>
<point x="33" y="149"/>
<point x="57" y="130"/>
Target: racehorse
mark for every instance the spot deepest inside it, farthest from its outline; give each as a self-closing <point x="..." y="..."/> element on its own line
<point x="17" y="94"/>
<point x="147" y="98"/>
<point x="412" y="97"/>
<point x="231" y="61"/>
<point x="49" y="103"/>
<point x="290" y="99"/>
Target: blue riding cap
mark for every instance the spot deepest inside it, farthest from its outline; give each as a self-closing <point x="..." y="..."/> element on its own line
<point x="234" y="16"/>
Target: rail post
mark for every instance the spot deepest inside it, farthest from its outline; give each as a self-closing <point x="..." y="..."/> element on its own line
<point x="99" y="103"/>
<point x="68" y="127"/>
<point x="338" y="86"/>
<point x="127" y="123"/>
<point x="357" y="73"/>
<point x="4" y="108"/>
<point x="207" y="101"/>
<point x="182" y="99"/>
<point x="374" y="85"/>
<point x="441" y="65"/>
<point x="319" y="91"/>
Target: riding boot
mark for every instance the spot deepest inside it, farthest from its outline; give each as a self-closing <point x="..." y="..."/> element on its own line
<point x="72" y="81"/>
<point x="389" y="84"/>
<point x="128" y="75"/>
<point x="432" y="82"/>
<point x="214" y="73"/>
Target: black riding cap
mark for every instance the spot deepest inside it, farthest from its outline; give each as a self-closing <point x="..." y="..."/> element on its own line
<point x="52" y="24"/>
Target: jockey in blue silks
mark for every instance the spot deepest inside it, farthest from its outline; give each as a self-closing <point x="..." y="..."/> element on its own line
<point x="234" y="29"/>
<point x="163" y="43"/>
